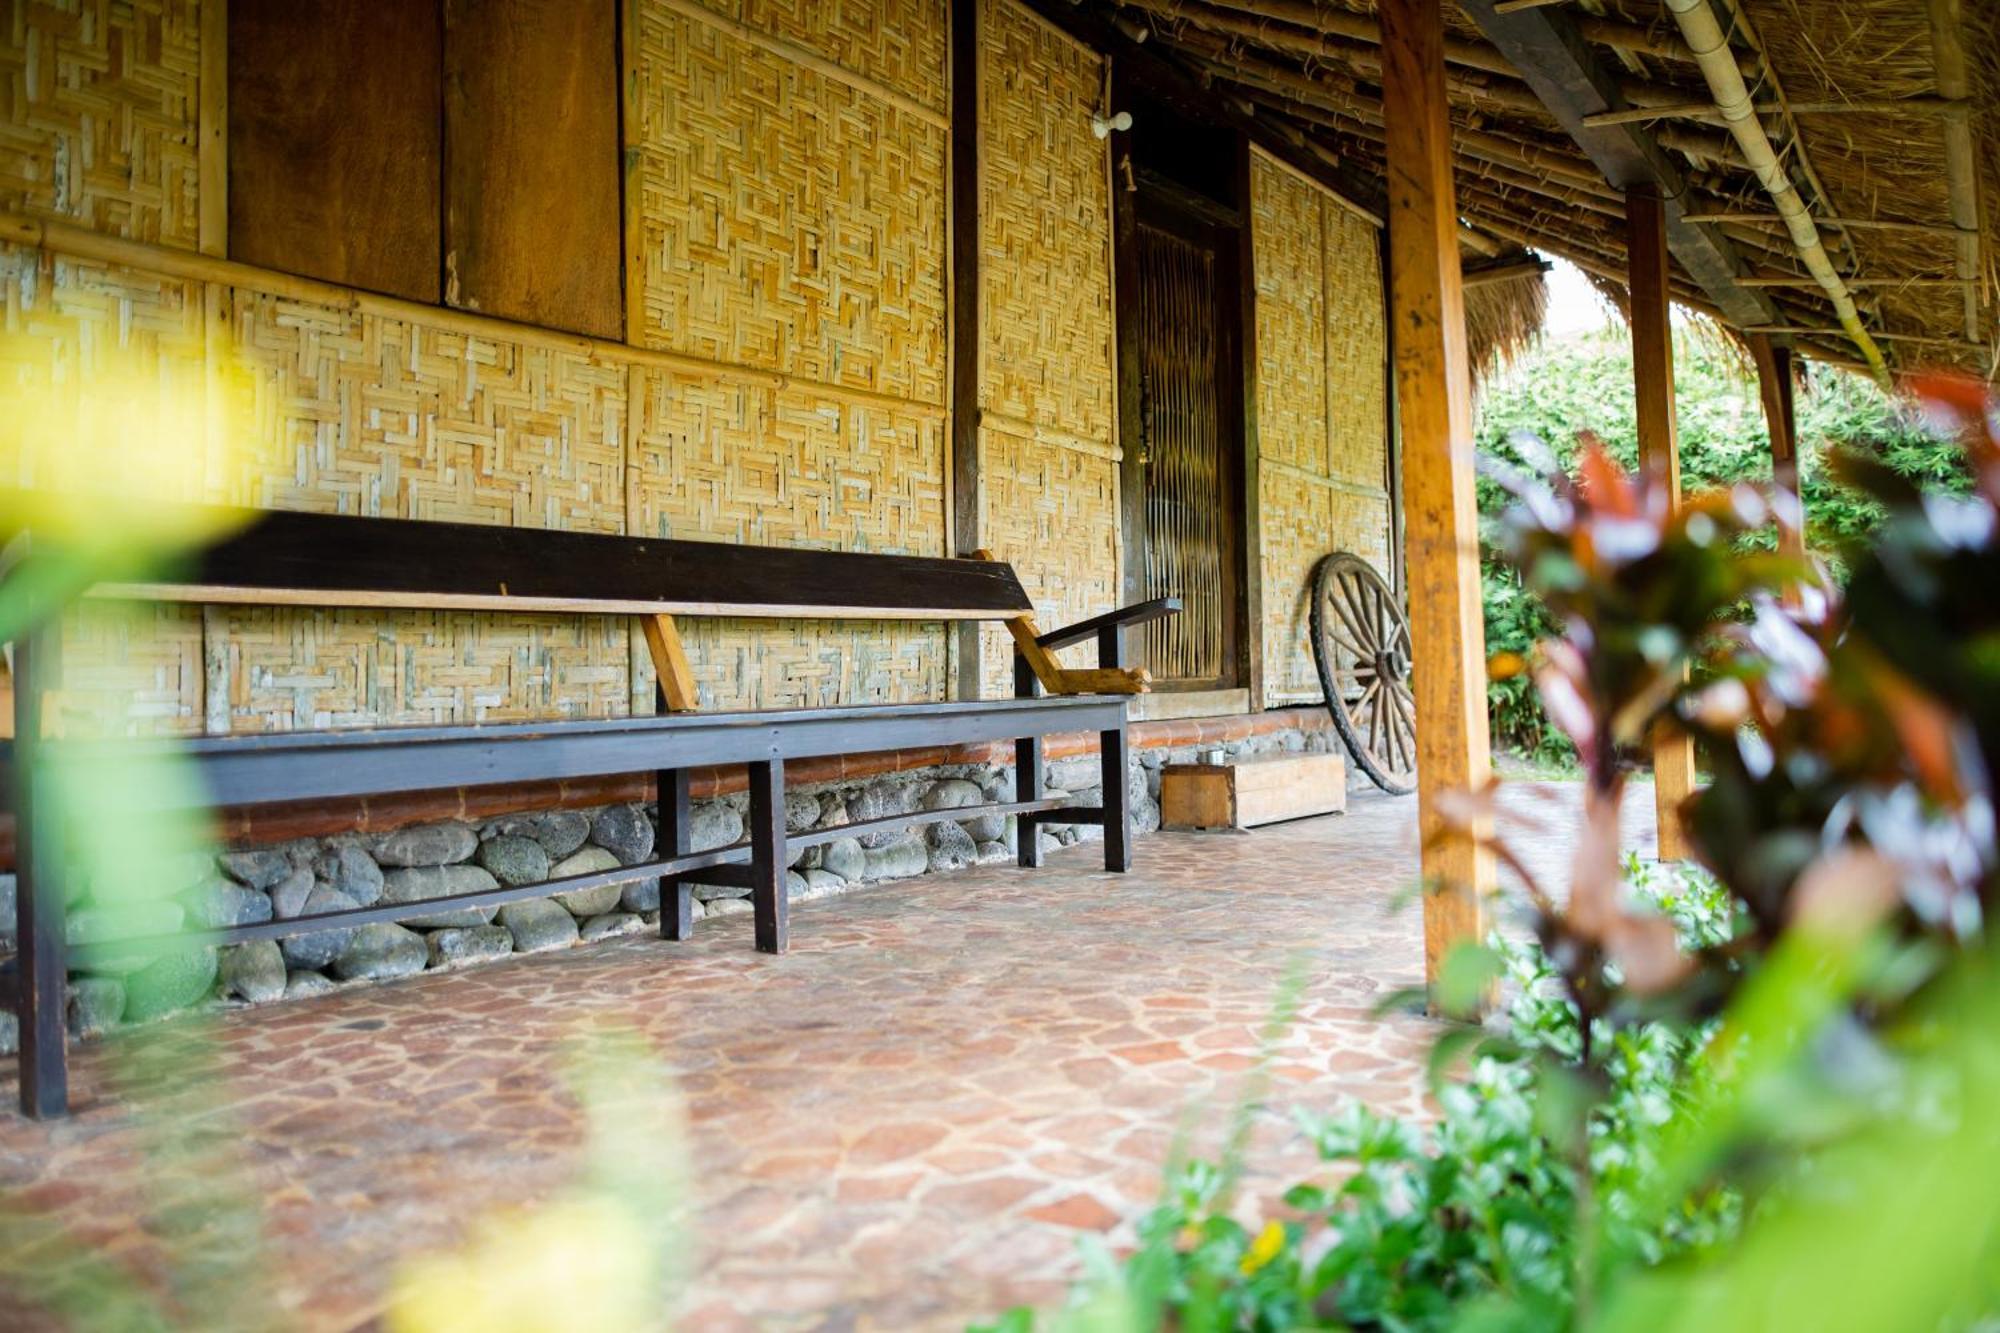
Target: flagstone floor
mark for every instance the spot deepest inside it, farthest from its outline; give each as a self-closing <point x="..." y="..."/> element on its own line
<point x="905" y="1123"/>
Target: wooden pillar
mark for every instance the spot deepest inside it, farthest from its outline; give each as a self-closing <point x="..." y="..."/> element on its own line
<point x="966" y="502"/>
<point x="1659" y="452"/>
<point x="1434" y="400"/>
<point x="1774" y="385"/>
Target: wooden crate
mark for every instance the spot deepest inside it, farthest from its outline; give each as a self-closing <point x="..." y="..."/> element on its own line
<point x="1249" y="792"/>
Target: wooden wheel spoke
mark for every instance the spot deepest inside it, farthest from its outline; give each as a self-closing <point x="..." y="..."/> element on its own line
<point x="1361" y="645"/>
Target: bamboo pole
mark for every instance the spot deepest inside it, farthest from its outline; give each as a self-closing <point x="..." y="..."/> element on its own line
<point x="1897" y="283"/>
<point x="1725" y="80"/>
<point x="1961" y="172"/>
<point x="1774" y="220"/>
<point x="1434" y="397"/>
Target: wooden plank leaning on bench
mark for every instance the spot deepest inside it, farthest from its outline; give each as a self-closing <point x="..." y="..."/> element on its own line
<point x="333" y="561"/>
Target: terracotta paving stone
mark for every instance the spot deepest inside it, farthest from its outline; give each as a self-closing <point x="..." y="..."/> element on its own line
<point x="905" y="1123"/>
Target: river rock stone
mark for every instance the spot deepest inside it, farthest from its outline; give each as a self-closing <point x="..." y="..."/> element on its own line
<point x="994" y="853"/>
<point x="427" y="845"/>
<point x="258" y="867"/>
<point x="819" y="883"/>
<point x="7" y="909"/>
<point x="608" y="924"/>
<point x="469" y="944"/>
<point x="95" y="1005"/>
<point x="801" y="811"/>
<point x="898" y="860"/>
<point x="538" y="924"/>
<point x="716" y="893"/>
<point x="625" y="832"/>
<point x="381" y="951"/>
<point x="10" y="1032"/>
<point x="589" y="861"/>
<point x="846" y="858"/>
<point x="989" y="828"/>
<point x="321" y="946"/>
<point x="714" y="824"/>
<point x="879" y="800"/>
<point x="169" y="983"/>
<point x="514" y="860"/>
<point x="418" y="884"/>
<point x="726" y="907"/>
<point x="795" y="885"/>
<point x="951" y="847"/>
<point x="953" y="794"/>
<point x="253" y="971"/>
<point x="288" y="895"/>
<point x="560" y="832"/>
<point x="222" y="902"/>
<point x="146" y="916"/>
<point x="349" y="868"/>
<point x="300" y="985"/>
<point x="640" y="896"/>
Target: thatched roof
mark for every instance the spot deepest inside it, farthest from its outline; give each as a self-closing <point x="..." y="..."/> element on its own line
<point x="1862" y="99"/>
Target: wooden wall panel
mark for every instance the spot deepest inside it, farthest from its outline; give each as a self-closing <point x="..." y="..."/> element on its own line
<point x="788" y="220"/>
<point x="737" y="462"/>
<point x="1047" y="439"/>
<point x="1045" y="217"/>
<point x="307" y="193"/>
<point x="1321" y="407"/>
<point x="533" y="225"/>
<point x="99" y="123"/>
<point x="373" y="415"/>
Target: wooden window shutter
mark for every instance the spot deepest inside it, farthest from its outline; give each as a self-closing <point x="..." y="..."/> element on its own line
<point x="532" y="224"/>
<point x="335" y="141"/>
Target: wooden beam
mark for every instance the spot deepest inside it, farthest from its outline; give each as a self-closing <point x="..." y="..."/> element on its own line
<point x="212" y="131"/>
<point x="1552" y="52"/>
<point x="670" y="664"/>
<point x="1659" y="452"/>
<point x="1774" y="387"/>
<point x="1434" y="402"/>
<point x="966" y="500"/>
<point x="1961" y="167"/>
<point x="1773" y="220"/>
<point x="1505" y="272"/>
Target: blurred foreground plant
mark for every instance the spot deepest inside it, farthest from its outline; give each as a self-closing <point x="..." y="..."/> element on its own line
<point x="1759" y="1097"/>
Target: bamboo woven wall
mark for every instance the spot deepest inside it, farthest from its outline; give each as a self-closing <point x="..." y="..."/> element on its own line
<point x="1048" y="410"/>
<point x="1321" y="406"/>
<point x="100" y="117"/>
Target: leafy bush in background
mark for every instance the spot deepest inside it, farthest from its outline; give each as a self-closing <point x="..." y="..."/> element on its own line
<point x="1580" y="385"/>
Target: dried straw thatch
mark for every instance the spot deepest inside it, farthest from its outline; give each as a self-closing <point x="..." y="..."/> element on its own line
<point x="1502" y="319"/>
<point x="1882" y="112"/>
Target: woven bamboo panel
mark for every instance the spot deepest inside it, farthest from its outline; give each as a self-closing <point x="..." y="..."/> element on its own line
<point x="1356" y="350"/>
<point x="100" y="115"/>
<point x="383" y="416"/>
<point x="901" y="44"/>
<point x="1045" y="208"/>
<point x="290" y="670"/>
<point x="1053" y="512"/>
<point x="718" y="460"/>
<point x="789" y="221"/>
<point x="131" y="671"/>
<point x="1288" y="244"/>
<point x="1321" y="407"/>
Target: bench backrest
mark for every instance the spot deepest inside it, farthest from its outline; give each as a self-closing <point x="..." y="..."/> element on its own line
<point x="296" y="559"/>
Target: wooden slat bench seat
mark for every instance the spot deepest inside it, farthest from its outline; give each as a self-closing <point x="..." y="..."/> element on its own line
<point x="333" y="561"/>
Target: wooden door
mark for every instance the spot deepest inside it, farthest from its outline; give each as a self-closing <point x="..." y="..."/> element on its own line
<point x="1184" y="542"/>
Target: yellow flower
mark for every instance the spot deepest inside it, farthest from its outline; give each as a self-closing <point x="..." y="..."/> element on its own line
<point x="1265" y="1248"/>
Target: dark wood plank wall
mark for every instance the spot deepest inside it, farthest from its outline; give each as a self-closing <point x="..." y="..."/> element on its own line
<point x="531" y="180"/>
<point x="335" y="141"/>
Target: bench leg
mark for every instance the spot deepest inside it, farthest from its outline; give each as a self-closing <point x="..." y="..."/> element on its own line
<point x="767" y="856"/>
<point x="1027" y="773"/>
<point x="1112" y="765"/>
<point x="676" y="839"/>
<point x="43" y="963"/>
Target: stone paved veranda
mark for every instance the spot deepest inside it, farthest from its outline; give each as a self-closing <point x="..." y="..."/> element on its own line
<point x="904" y="1123"/>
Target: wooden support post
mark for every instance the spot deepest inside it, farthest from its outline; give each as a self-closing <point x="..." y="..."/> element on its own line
<point x="670" y="663"/>
<point x="966" y="501"/>
<point x="1434" y="400"/>
<point x="41" y="985"/>
<point x="1774" y="385"/>
<point x="1113" y="770"/>
<point x="676" y="839"/>
<point x="1027" y="773"/>
<point x="768" y="899"/>
<point x="1660" y="453"/>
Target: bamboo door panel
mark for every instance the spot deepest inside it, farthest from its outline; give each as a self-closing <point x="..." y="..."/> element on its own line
<point x="1185" y="509"/>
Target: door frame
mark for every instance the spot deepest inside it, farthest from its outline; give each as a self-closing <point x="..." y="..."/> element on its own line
<point x="1169" y="206"/>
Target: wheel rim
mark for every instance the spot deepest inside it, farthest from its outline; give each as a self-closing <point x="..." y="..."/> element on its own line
<point x="1361" y="644"/>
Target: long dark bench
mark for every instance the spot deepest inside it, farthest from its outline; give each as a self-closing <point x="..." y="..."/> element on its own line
<point x="331" y="561"/>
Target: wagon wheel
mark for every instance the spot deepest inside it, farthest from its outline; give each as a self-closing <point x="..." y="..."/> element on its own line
<point x="1361" y="643"/>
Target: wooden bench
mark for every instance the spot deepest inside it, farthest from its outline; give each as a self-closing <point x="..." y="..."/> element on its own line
<point x="316" y="560"/>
